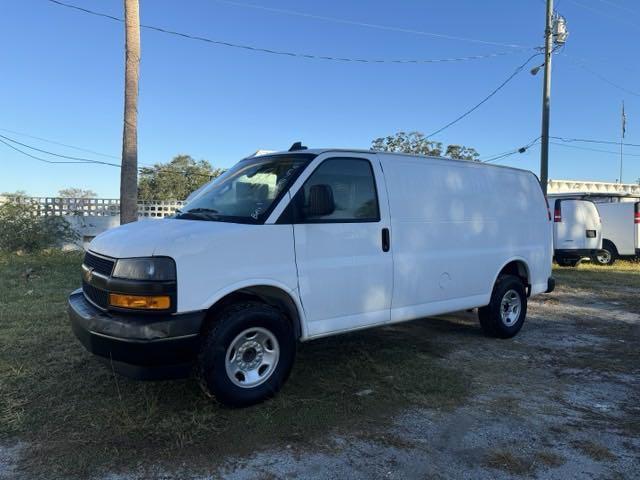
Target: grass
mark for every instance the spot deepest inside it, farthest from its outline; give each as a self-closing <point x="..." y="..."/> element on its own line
<point x="595" y="451"/>
<point x="510" y="463"/>
<point x="550" y="459"/>
<point x="78" y="419"/>
<point x="622" y="280"/>
<point x="624" y="273"/>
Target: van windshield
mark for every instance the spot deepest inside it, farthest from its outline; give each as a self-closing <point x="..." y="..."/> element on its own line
<point x="248" y="191"/>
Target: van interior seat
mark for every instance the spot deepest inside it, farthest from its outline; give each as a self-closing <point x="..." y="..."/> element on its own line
<point x="321" y="200"/>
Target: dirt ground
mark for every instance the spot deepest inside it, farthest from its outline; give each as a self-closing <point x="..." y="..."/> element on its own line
<point x="561" y="400"/>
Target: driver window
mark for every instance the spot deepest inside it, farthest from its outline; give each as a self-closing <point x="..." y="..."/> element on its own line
<point x="340" y="190"/>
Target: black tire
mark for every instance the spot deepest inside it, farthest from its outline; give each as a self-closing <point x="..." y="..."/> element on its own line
<point x="491" y="317"/>
<point x="609" y="258"/>
<point x="568" y="262"/>
<point x="211" y="368"/>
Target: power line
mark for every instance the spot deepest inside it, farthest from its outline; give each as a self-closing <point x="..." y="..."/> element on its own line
<point x="594" y="149"/>
<point x="79" y="160"/>
<point x="508" y="153"/>
<point x="36" y="157"/>
<point x="601" y="13"/>
<point x="600" y="76"/>
<point x="485" y="99"/>
<point x="282" y="52"/>
<point x="369" y="25"/>
<point x="59" y="143"/>
<point x="588" y="140"/>
<point x="621" y="7"/>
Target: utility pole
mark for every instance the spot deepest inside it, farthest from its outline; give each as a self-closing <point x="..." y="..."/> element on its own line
<point x="624" y="130"/>
<point x="546" y="99"/>
<point x="129" y="170"/>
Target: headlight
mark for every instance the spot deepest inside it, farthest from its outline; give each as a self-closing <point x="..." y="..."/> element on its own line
<point x="152" y="268"/>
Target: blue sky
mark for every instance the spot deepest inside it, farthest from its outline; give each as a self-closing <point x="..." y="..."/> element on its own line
<point x="63" y="77"/>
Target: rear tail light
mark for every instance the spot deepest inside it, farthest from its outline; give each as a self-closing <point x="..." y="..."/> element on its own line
<point x="557" y="212"/>
<point x="636" y="213"/>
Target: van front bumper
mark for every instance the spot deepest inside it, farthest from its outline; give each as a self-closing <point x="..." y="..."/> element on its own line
<point x="137" y="345"/>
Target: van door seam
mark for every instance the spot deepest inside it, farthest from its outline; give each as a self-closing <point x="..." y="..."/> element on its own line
<point x="391" y="240"/>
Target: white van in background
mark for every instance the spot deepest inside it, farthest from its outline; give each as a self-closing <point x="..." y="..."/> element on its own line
<point x="304" y="244"/>
<point x="620" y="231"/>
<point x="577" y="231"/>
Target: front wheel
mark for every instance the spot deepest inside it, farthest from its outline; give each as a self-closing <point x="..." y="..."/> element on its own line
<point x="247" y="355"/>
<point x="505" y="314"/>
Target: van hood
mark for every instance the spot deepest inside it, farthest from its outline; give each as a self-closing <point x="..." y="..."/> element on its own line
<point x="168" y="236"/>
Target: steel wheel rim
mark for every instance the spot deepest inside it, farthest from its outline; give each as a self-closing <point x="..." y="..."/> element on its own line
<point x="252" y="357"/>
<point x="604" y="257"/>
<point x="510" y="308"/>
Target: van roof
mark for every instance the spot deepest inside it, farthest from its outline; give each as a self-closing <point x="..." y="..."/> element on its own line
<point x="318" y="151"/>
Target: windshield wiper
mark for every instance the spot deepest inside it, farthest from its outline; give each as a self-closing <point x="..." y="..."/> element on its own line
<point x="199" y="214"/>
<point x="202" y="210"/>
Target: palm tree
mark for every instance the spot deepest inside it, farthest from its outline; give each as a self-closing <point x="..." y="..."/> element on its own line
<point x="129" y="171"/>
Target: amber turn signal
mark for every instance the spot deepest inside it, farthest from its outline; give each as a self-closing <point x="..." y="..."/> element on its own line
<point x="142" y="302"/>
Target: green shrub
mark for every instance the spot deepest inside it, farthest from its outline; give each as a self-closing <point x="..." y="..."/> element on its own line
<point x="21" y="229"/>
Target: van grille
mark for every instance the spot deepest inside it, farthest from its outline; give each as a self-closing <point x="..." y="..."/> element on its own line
<point x="99" y="264"/>
<point x="96" y="295"/>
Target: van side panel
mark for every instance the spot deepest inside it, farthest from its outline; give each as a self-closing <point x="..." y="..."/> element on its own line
<point x="454" y="225"/>
<point x="225" y="257"/>
<point x="618" y="226"/>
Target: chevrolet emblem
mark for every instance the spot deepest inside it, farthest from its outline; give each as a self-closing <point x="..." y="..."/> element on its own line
<point x="88" y="274"/>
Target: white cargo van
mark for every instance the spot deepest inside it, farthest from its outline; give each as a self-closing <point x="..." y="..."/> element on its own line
<point x="620" y="231"/>
<point x="577" y="231"/>
<point x="303" y="244"/>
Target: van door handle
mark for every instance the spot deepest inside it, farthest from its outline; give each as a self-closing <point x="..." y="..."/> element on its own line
<point x="386" y="240"/>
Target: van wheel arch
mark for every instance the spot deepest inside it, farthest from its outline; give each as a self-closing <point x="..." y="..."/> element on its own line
<point x="517" y="268"/>
<point x="266" y="294"/>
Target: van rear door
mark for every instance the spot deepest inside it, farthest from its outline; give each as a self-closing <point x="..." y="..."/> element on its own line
<point x="577" y="225"/>
<point x="590" y="219"/>
<point x="568" y="233"/>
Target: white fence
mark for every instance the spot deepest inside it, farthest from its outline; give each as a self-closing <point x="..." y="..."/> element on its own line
<point x="100" y="207"/>
<point x="585" y="186"/>
<point x="92" y="216"/>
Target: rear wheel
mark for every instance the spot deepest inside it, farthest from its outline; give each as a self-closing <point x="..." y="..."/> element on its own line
<point x="505" y="314"/>
<point x="247" y="355"/>
<point x="608" y="254"/>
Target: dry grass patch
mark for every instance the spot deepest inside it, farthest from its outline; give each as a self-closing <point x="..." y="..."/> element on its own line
<point x="595" y="451"/>
<point x="550" y="459"/>
<point x="508" y="462"/>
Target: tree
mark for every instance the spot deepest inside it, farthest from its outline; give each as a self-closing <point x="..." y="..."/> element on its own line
<point x="462" y="153"/>
<point x="412" y="142"/>
<point x="13" y="196"/>
<point x="22" y="228"/>
<point x="176" y="179"/>
<point x="417" y="143"/>
<point x="129" y="170"/>
<point x="75" y="192"/>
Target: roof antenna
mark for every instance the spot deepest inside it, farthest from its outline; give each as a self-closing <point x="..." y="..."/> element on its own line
<point x="297" y="146"/>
